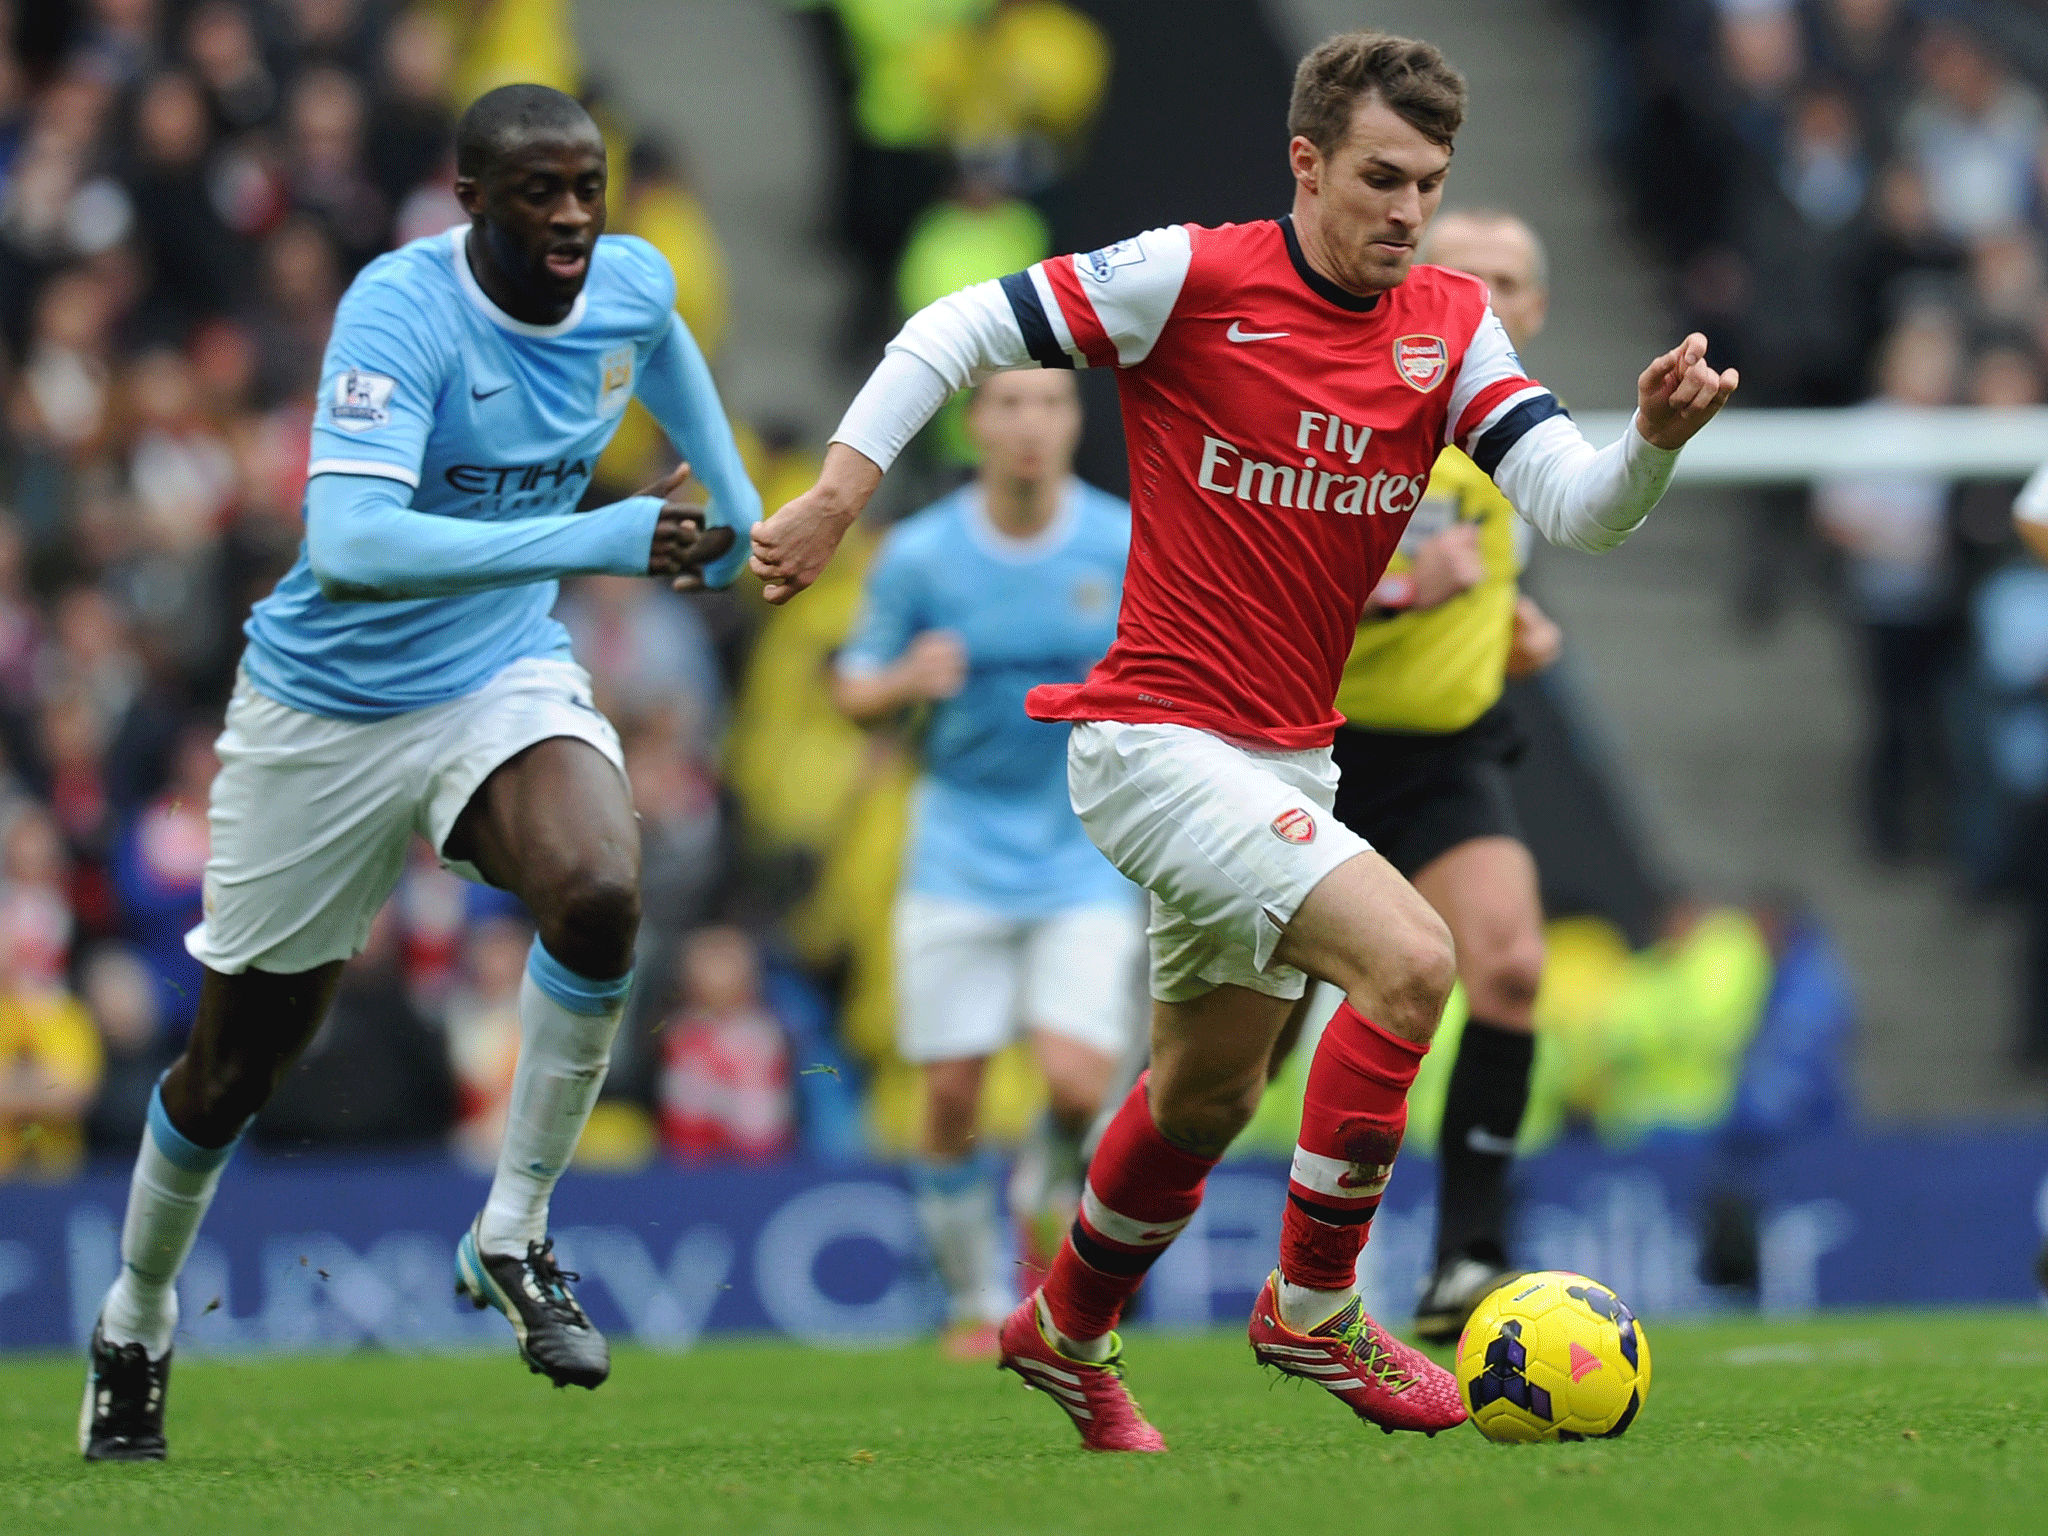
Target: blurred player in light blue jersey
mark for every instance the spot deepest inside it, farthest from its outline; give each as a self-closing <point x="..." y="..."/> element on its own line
<point x="1008" y="919"/>
<point x="406" y="678"/>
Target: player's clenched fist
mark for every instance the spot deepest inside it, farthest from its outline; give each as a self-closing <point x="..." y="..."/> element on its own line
<point x="683" y="544"/>
<point x="791" y="548"/>
<point x="1679" y="393"/>
<point x="934" y="666"/>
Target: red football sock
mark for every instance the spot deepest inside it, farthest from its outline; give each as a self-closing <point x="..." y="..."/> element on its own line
<point x="1352" y="1117"/>
<point x="1141" y="1191"/>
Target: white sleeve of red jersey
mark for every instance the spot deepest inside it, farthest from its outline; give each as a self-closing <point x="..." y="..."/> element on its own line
<point x="1101" y="309"/>
<point x="1106" y="308"/>
<point x="949" y="345"/>
<point x="1493" y="402"/>
<point x="1578" y="495"/>
<point x="1515" y="430"/>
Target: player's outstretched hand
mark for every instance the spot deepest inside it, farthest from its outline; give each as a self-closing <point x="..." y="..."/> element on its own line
<point x="1678" y="394"/>
<point x="683" y="543"/>
<point x="791" y="548"/>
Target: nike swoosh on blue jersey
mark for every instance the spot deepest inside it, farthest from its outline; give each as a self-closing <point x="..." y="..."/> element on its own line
<point x="485" y="394"/>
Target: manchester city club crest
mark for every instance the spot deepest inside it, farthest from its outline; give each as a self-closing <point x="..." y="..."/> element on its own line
<point x="1422" y="360"/>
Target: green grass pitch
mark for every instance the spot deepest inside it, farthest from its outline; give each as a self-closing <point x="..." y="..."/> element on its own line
<point x="1881" y="1423"/>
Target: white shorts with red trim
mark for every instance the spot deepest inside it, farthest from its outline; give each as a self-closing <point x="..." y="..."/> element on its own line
<point x="311" y="817"/>
<point x="1227" y="840"/>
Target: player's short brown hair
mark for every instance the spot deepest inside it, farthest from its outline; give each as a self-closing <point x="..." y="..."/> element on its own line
<point x="1415" y="81"/>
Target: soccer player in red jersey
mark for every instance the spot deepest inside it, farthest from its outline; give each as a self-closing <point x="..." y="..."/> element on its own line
<point x="1286" y="387"/>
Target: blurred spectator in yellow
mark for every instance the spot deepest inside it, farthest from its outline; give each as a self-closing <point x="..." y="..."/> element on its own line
<point x="50" y="1058"/>
<point x="977" y="233"/>
<point x="1022" y="86"/>
<point x="659" y="205"/>
<point x="797" y="764"/>
<point x="652" y="198"/>
<point x="1671" y="1043"/>
<point x="727" y="1086"/>
<point x="503" y="42"/>
<point x="890" y="53"/>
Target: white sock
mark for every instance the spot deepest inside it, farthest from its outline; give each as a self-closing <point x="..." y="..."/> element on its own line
<point x="1094" y="1351"/>
<point x="956" y="1207"/>
<point x="563" y="1054"/>
<point x="1304" y="1308"/>
<point x="172" y="1186"/>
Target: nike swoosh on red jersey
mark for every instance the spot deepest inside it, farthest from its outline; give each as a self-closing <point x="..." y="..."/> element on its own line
<point x="1237" y="332"/>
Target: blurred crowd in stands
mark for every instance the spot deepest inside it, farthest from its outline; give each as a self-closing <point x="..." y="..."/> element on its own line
<point x="1853" y="196"/>
<point x="186" y="186"/>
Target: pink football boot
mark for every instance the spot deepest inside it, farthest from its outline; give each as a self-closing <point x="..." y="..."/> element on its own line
<point x="1093" y="1395"/>
<point x="1376" y="1376"/>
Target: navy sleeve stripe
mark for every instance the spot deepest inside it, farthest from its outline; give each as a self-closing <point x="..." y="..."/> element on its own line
<point x="1038" y="337"/>
<point x="1493" y="446"/>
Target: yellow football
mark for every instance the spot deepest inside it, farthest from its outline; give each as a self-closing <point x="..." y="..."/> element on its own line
<point x="1553" y="1356"/>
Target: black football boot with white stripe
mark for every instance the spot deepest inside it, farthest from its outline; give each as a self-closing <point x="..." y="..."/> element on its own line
<point x="1454" y="1292"/>
<point x="556" y="1339"/>
<point x="122" y="1418"/>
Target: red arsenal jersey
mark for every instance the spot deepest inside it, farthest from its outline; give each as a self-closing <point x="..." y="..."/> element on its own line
<point x="1280" y="432"/>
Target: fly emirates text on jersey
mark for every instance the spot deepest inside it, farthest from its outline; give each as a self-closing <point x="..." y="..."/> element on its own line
<point x="1308" y="485"/>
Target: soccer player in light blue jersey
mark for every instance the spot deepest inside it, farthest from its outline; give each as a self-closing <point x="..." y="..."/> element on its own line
<point x="406" y="677"/>
<point x="1008" y="920"/>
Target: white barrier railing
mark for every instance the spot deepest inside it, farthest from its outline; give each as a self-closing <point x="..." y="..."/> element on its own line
<point x="1743" y="447"/>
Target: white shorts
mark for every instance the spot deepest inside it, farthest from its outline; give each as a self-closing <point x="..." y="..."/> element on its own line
<point x="968" y="979"/>
<point x="1228" y="840"/>
<point x="311" y="816"/>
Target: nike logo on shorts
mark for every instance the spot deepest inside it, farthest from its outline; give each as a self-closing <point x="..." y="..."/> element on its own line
<point x="1237" y="332"/>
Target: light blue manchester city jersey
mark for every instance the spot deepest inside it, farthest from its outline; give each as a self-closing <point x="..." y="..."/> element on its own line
<point x="428" y="383"/>
<point x="993" y="822"/>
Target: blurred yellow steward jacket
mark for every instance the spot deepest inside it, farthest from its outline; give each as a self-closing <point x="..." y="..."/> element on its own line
<point x="1439" y="669"/>
<point x="48" y="1035"/>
